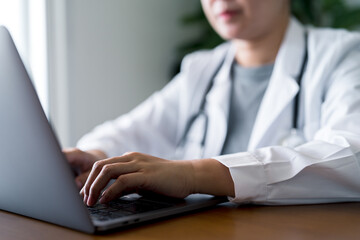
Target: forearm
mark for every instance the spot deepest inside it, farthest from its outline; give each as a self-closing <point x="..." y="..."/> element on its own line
<point x="211" y="177"/>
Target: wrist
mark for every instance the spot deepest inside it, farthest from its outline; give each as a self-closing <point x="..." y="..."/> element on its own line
<point x="211" y="177"/>
<point x="189" y="176"/>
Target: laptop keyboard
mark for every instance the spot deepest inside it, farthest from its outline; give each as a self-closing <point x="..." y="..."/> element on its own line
<point x="125" y="206"/>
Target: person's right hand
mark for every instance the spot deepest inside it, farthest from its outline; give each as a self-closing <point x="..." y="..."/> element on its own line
<point x="82" y="162"/>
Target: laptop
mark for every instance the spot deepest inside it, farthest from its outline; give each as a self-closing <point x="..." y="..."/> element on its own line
<point x="35" y="178"/>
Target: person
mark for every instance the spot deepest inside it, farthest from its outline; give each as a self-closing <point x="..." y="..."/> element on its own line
<point x="219" y="127"/>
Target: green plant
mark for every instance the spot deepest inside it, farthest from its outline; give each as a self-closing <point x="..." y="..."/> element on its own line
<point x="327" y="13"/>
<point x="320" y="13"/>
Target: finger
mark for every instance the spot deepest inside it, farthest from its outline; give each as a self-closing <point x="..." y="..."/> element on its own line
<point x="85" y="197"/>
<point x="97" y="167"/>
<point x="82" y="192"/>
<point x="125" y="183"/>
<point x="108" y="172"/>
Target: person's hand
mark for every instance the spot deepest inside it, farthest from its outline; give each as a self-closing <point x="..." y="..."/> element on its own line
<point x="136" y="172"/>
<point x="82" y="162"/>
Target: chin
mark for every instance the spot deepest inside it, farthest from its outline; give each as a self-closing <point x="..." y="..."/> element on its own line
<point x="230" y="32"/>
<point x="230" y="35"/>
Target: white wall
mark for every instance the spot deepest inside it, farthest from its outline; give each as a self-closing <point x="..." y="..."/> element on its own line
<point x="25" y="20"/>
<point x="108" y="56"/>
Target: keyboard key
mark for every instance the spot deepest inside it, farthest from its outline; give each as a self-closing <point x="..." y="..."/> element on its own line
<point x="125" y="206"/>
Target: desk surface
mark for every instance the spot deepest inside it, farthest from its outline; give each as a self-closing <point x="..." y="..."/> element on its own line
<point x="329" y="221"/>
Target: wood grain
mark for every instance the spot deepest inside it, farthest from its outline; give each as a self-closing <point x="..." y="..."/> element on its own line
<point x="328" y="221"/>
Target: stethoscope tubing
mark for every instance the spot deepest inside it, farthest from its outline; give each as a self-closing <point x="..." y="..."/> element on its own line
<point x="295" y="120"/>
<point x="295" y="123"/>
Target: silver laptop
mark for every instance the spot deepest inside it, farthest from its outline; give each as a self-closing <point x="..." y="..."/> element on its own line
<point x="35" y="178"/>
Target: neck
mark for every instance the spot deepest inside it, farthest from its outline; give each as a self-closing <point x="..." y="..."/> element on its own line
<point x="263" y="49"/>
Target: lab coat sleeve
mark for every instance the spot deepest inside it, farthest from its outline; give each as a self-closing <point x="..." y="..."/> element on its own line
<point x="325" y="169"/>
<point x="150" y="128"/>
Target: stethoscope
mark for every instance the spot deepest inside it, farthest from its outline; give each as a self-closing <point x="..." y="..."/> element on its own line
<point x="293" y="139"/>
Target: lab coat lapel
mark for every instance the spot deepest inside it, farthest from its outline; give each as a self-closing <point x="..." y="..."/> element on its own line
<point x="282" y="86"/>
<point x="218" y="107"/>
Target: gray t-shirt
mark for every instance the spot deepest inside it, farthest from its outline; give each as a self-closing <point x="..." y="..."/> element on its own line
<point x="248" y="90"/>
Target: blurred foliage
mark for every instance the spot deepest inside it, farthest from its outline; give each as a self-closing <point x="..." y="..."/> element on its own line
<point x="327" y="13"/>
<point x="320" y="13"/>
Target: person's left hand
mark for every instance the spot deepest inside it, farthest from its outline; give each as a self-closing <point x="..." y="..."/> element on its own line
<point x="136" y="172"/>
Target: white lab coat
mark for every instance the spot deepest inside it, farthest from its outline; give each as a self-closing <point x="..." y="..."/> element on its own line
<point x="324" y="169"/>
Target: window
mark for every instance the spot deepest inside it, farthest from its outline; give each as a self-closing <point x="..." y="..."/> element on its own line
<point x="26" y="21"/>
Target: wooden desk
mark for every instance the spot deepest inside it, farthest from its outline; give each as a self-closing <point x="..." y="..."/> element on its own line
<point x="330" y="221"/>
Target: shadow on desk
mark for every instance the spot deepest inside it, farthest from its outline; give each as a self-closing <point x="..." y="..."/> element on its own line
<point x="227" y="221"/>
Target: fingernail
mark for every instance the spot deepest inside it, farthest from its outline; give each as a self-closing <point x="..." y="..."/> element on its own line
<point x="90" y="201"/>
